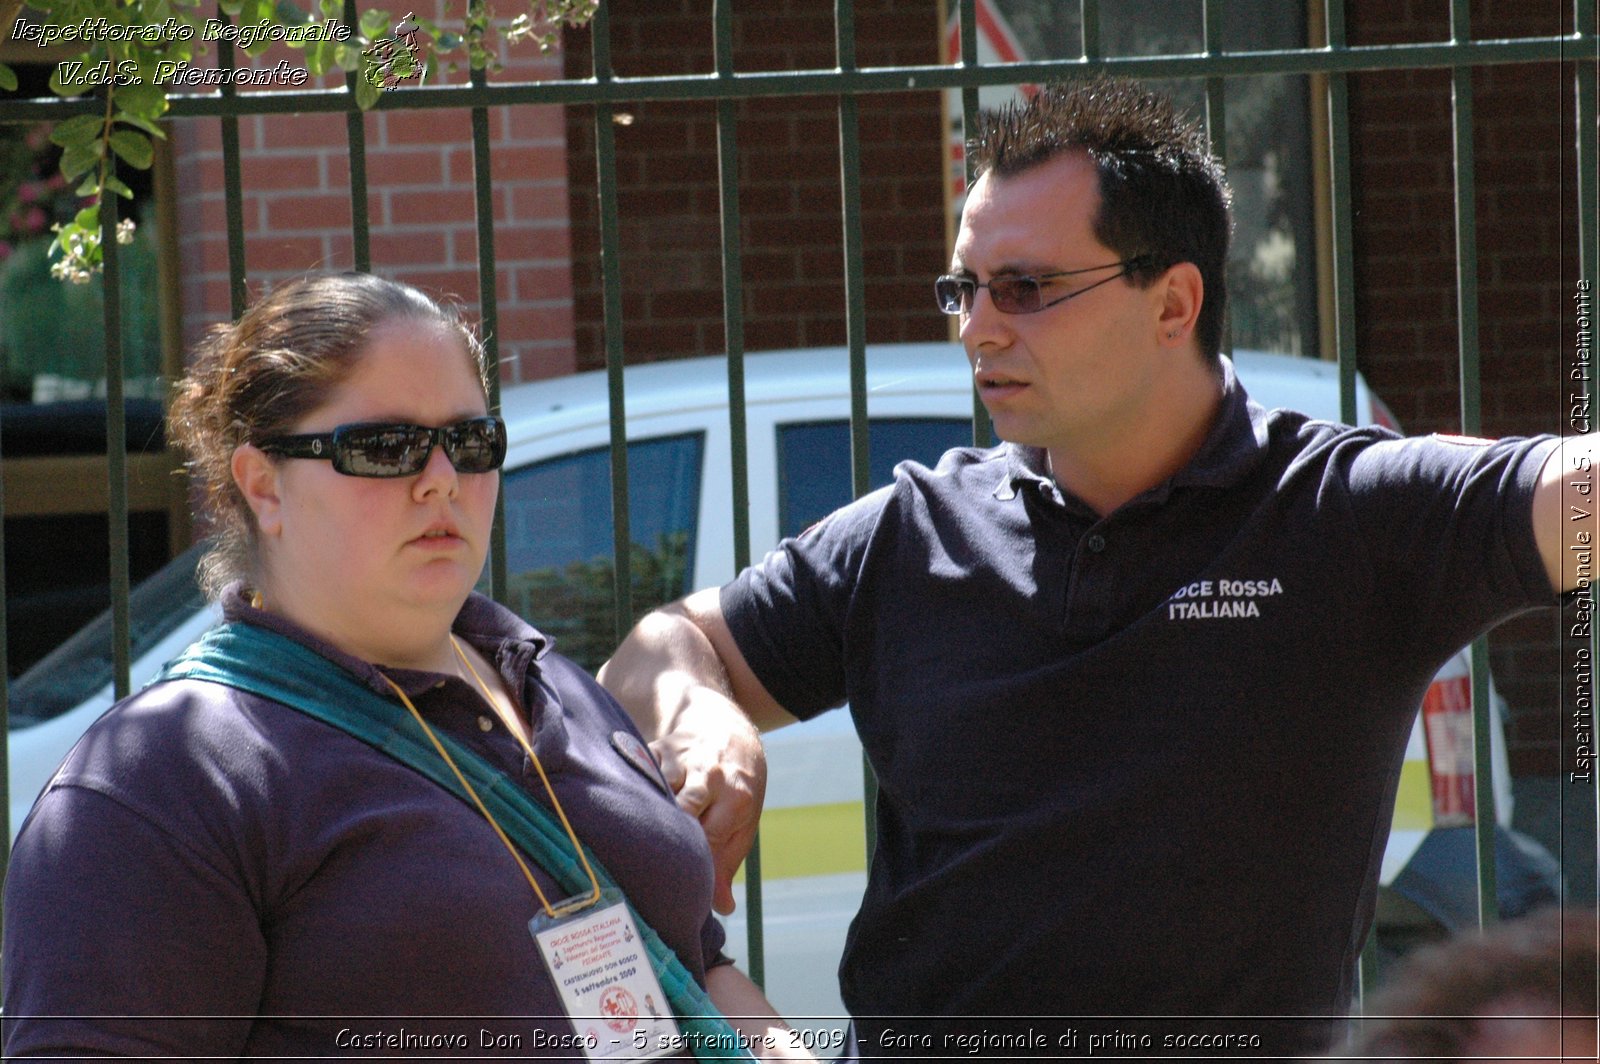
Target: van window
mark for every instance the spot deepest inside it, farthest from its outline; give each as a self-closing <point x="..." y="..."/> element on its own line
<point x="79" y="667"/>
<point x="559" y="538"/>
<point x="814" y="461"/>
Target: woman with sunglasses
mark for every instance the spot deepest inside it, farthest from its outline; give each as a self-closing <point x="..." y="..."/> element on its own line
<point x="312" y="836"/>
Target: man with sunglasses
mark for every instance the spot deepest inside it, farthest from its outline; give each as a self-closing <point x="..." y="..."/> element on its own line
<point x="1136" y="684"/>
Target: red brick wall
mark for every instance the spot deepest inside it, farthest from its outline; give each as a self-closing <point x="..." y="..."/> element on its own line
<point x="297" y="213"/>
<point x="1405" y="265"/>
<point x="789" y="185"/>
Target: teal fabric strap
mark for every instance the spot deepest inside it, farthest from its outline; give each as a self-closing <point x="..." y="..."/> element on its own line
<point x="273" y="666"/>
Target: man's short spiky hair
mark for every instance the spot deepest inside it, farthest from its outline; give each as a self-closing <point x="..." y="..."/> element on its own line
<point x="1162" y="193"/>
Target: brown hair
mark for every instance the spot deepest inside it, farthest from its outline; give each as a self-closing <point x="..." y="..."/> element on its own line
<point x="260" y="375"/>
<point x="1435" y="1003"/>
<point x="1163" y="194"/>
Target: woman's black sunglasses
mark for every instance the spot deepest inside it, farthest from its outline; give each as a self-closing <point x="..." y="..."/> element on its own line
<point x="373" y="449"/>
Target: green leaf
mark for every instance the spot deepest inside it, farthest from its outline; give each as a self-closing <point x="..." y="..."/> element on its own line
<point x="60" y="89"/>
<point x="148" y="100"/>
<point x="133" y="148"/>
<point x="367" y="94"/>
<point x="347" y="56"/>
<point x="90" y="187"/>
<point x="291" y="14"/>
<point x="315" y="62"/>
<point x="88" y="218"/>
<point x="142" y="123"/>
<point x="79" y="159"/>
<point x="81" y="130"/>
<point x="374" y="23"/>
<point x="8" y="79"/>
<point x="114" y="185"/>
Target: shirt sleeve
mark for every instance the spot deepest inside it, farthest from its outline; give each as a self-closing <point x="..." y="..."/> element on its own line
<point x="788" y="612"/>
<point x="1449" y="525"/>
<point x="104" y="908"/>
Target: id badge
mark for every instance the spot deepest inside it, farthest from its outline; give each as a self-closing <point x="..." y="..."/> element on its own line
<point x="600" y="966"/>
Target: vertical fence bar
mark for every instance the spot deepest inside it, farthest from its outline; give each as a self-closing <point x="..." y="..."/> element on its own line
<point x="1466" y="218"/>
<point x="605" y="148"/>
<point x="1344" y="289"/>
<point x="1342" y="228"/>
<point x="355" y="131"/>
<point x="232" y="182"/>
<point x="489" y="311"/>
<point x="738" y="442"/>
<point x="855" y="317"/>
<point x="116" y="442"/>
<point x="1217" y="116"/>
<point x="982" y="429"/>
<point x="1089" y="22"/>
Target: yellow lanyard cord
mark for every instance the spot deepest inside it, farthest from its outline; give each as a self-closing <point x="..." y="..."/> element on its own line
<point x="571" y="906"/>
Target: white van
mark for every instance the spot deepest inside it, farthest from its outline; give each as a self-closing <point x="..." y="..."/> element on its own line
<point x="557" y="492"/>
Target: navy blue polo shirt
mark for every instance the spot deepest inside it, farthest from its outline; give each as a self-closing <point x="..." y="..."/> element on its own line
<point x="1141" y="764"/>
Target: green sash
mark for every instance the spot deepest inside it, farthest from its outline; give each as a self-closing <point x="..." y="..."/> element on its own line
<point x="264" y="663"/>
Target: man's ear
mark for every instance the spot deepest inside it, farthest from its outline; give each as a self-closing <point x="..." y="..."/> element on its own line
<point x="256" y="476"/>
<point x="1182" y="297"/>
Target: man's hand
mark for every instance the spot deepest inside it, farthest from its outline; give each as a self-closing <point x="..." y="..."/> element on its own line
<point x="683" y="680"/>
<point x="713" y="760"/>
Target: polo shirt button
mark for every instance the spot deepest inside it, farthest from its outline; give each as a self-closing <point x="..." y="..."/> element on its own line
<point x="1097" y="542"/>
<point x="485" y="724"/>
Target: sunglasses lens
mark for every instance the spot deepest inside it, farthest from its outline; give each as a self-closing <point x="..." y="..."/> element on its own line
<point x="1015" y="295"/>
<point x="382" y="451"/>
<point x="954" y="294"/>
<point x="476" y="446"/>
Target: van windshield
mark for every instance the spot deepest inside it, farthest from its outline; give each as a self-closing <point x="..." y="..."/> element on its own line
<point x="76" y="669"/>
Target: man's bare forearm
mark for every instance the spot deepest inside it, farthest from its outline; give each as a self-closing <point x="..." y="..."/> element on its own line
<point x="682" y="679"/>
<point x="657" y="669"/>
<point x="678" y="655"/>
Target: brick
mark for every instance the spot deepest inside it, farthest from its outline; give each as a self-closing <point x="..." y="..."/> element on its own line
<point x="537" y="202"/>
<point x="206" y="254"/>
<point x="542" y="361"/>
<point x="398" y="168"/>
<point x="295" y="213"/>
<point x="276" y="253"/>
<point x="427" y="207"/>
<point x="532" y="284"/>
<point x="299" y="171"/>
<point x="458" y="284"/>
<point x="436" y="127"/>
<point x="425" y="247"/>
<point x="527" y="164"/>
<point x="524" y="323"/>
<point x="532" y="124"/>
<point x="312" y="131"/>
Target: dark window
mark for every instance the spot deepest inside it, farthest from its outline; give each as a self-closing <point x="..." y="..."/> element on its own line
<point x="559" y="536"/>
<point x="814" y="461"/>
<point x="82" y="665"/>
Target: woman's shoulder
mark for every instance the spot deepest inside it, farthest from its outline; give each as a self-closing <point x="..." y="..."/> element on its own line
<point x="185" y="748"/>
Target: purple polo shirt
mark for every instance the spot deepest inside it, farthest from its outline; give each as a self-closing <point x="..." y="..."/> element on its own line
<point x="213" y="874"/>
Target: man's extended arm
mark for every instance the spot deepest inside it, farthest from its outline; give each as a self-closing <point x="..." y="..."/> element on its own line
<point x="687" y="686"/>
<point x="1565" y="505"/>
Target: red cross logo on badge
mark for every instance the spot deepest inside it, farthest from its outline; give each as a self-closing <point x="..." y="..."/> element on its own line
<point x="621" y="1012"/>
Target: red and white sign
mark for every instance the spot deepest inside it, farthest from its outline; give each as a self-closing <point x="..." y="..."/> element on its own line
<point x="996" y="44"/>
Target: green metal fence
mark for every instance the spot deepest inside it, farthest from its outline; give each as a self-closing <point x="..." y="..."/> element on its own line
<point x="848" y="82"/>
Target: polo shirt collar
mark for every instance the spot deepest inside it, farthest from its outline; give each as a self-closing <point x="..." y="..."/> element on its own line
<point x="1236" y="442"/>
<point x="487" y="625"/>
